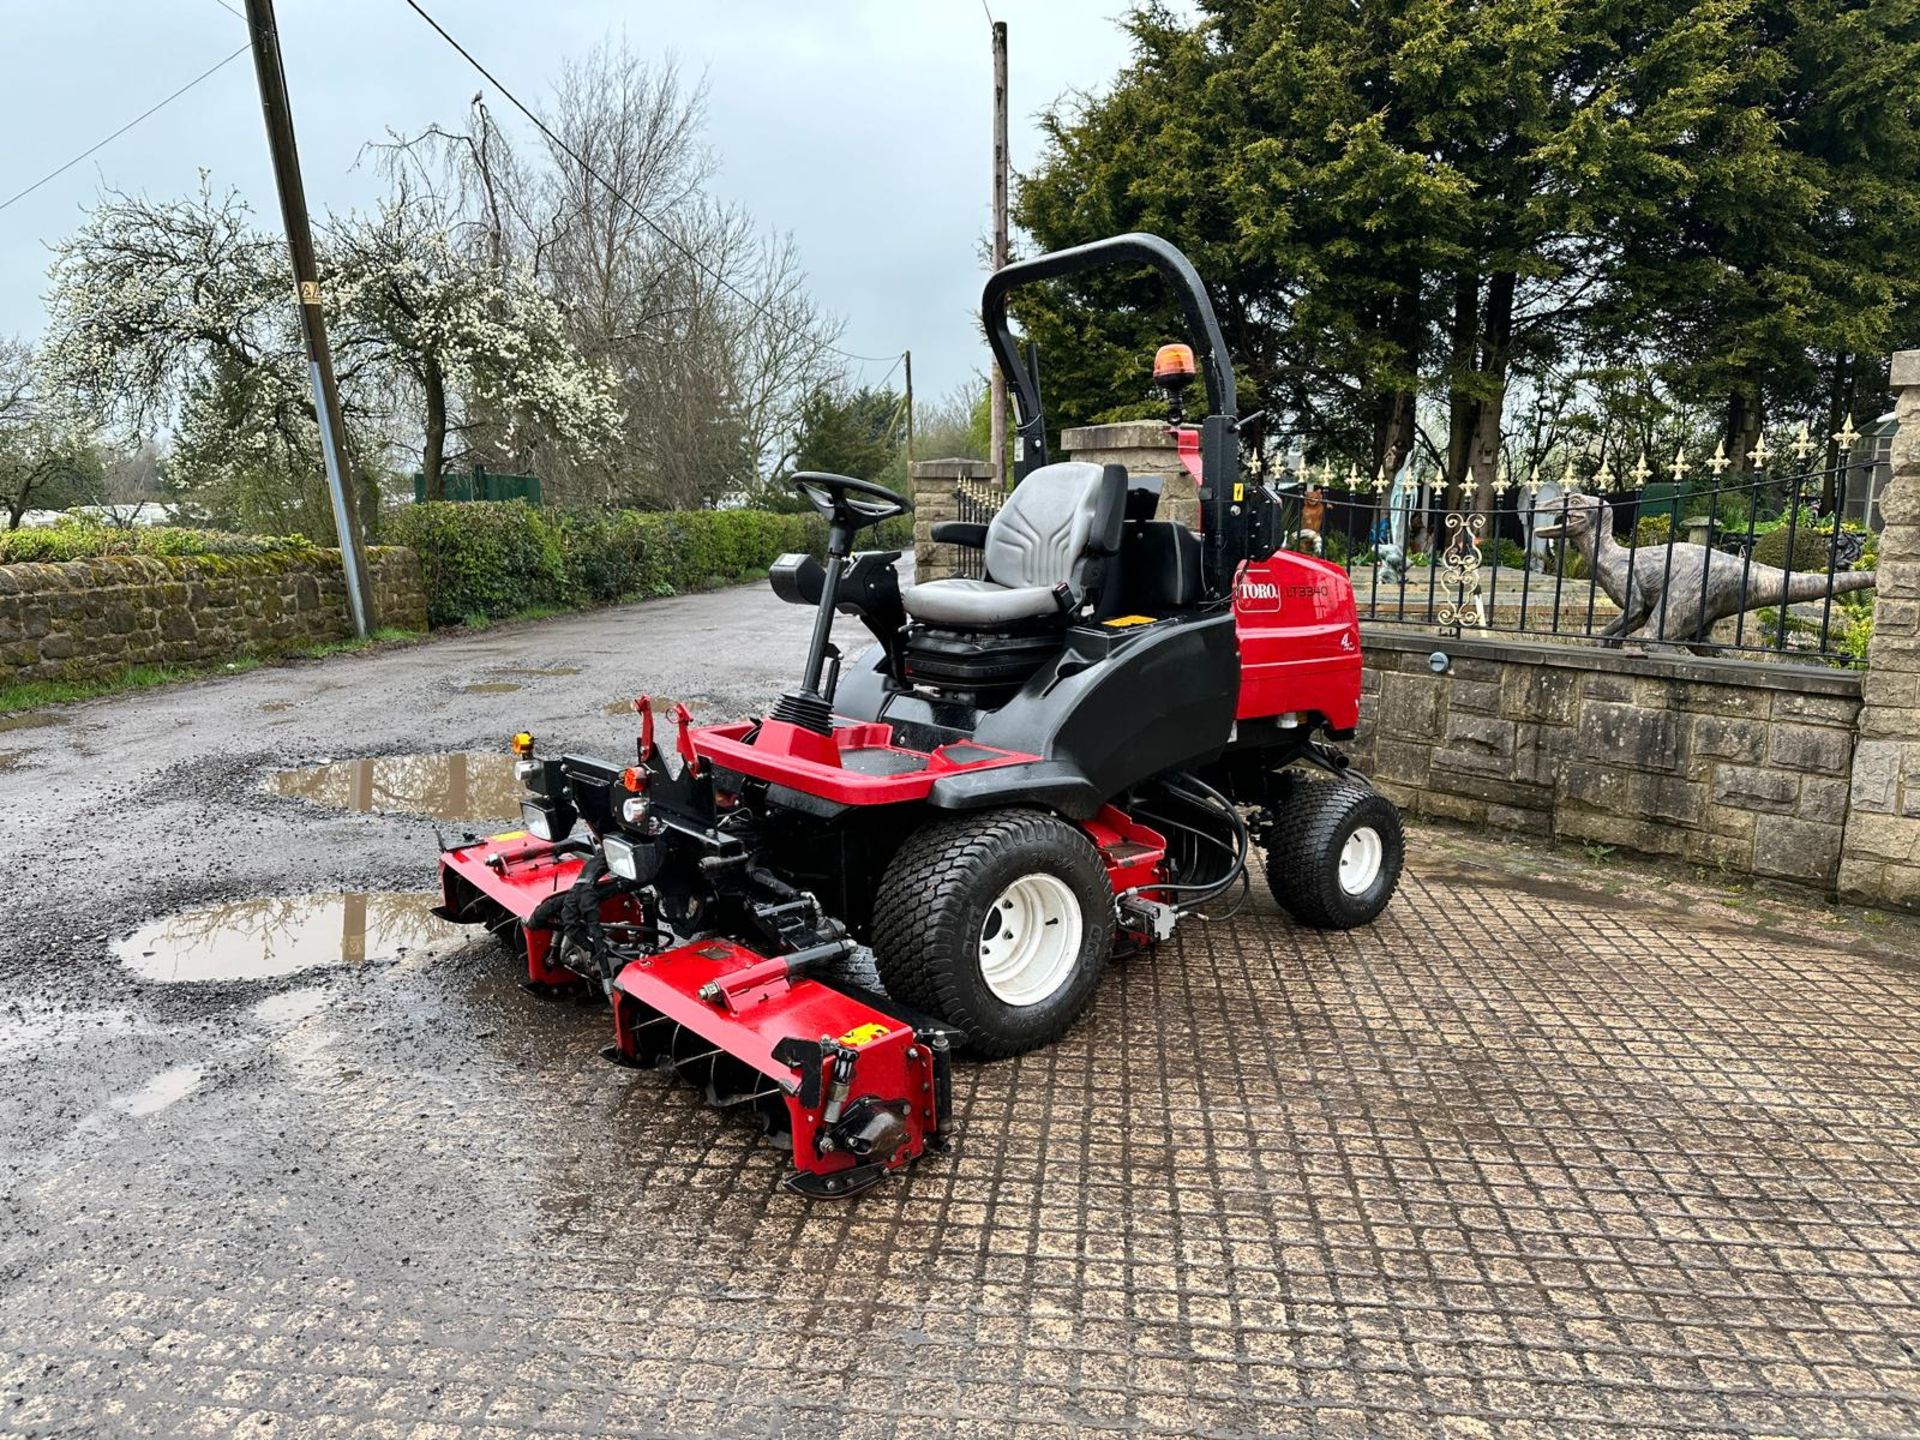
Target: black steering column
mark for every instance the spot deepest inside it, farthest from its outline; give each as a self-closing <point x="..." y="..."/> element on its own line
<point x="848" y="506"/>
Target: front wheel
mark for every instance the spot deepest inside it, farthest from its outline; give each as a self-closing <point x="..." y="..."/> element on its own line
<point x="1334" y="853"/>
<point x="997" y="923"/>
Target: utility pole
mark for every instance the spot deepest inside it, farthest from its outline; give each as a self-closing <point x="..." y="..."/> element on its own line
<point x="909" y="360"/>
<point x="306" y="278"/>
<point x="998" y="424"/>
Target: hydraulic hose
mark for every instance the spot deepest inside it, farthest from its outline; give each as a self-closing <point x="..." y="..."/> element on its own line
<point x="1212" y="800"/>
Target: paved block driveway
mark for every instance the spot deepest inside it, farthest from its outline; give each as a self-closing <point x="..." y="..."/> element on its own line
<point x="1526" y="1158"/>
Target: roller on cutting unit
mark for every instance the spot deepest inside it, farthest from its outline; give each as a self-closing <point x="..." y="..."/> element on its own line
<point x="1021" y="777"/>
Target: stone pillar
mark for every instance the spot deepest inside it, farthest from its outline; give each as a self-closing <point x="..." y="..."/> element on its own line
<point x="1880" y="855"/>
<point x="934" y="485"/>
<point x="1145" y="448"/>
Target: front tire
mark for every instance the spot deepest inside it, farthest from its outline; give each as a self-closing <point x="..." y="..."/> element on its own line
<point x="998" y="923"/>
<point x="1334" y="854"/>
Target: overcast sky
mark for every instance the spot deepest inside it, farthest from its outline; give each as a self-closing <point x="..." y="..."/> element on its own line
<point x="862" y="126"/>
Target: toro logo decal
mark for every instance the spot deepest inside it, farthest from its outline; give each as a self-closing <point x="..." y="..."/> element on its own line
<point x="1256" y="596"/>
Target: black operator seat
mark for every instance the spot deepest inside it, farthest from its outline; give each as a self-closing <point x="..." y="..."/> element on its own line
<point x="1057" y="529"/>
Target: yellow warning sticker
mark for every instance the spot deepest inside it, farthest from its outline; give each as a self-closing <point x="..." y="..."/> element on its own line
<point x="861" y="1034"/>
<point x="1121" y="622"/>
<point x="1239" y="492"/>
<point x="509" y="835"/>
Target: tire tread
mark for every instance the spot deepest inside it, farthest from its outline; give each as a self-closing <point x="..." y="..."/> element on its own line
<point x="920" y="911"/>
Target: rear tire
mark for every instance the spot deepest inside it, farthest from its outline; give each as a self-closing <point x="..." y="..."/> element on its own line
<point x="999" y="924"/>
<point x="1334" y="854"/>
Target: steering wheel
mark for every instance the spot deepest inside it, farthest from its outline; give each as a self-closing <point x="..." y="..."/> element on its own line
<point x="846" y="502"/>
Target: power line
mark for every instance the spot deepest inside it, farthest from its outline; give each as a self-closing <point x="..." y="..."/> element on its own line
<point x="56" y="174"/>
<point x="618" y="194"/>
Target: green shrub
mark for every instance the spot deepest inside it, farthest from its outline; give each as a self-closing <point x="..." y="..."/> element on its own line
<point x="75" y="539"/>
<point x="1853" y="633"/>
<point x="1812" y="547"/>
<point x="1507" y="554"/>
<point x="1572" y="564"/>
<point x="498" y="558"/>
<point x="1653" y="530"/>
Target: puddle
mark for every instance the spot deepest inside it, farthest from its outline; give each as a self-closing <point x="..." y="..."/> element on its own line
<point x="11" y="758"/>
<point x="491" y="687"/>
<point x="275" y="707"/>
<point x="161" y="1091"/>
<point x="537" y="670"/>
<point x="662" y="708"/>
<point x="460" y="785"/>
<point x="30" y="720"/>
<point x="264" y="939"/>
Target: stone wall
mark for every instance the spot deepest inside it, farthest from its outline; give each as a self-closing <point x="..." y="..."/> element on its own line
<point x="88" y="619"/>
<point x="935" y="485"/>
<point x="1725" y="763"/>
<point x="1145" y="448"/>
<point x="1881" y="861"/>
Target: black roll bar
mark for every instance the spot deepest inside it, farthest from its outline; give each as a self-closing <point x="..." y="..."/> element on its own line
<point x="1135" y="248"/>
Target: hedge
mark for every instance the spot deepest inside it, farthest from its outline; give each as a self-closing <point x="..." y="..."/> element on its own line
<point x="498" y="558"/>
<point x="73" y="539"/>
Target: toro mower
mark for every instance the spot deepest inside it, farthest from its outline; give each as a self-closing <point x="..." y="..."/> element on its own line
<point x="1023" y="776"/>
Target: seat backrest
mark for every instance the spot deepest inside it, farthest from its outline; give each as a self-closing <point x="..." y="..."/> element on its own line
<point x="1054" y="522"/>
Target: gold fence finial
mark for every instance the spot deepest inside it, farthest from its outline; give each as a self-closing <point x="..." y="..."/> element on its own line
<point x="1604" y="479"/>
<point x="1641" y="470"/>
<point x="1759" y="455"/>
<point x="1680" y="467"/>
<point x="1846" y="437"/>
<point x="1569" y="479"/>
<point x="1802" y="445"/>
<point x="1719" y="463"/>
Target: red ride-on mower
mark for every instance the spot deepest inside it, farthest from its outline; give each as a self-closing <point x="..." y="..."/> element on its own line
<point x="1025" y="775"/>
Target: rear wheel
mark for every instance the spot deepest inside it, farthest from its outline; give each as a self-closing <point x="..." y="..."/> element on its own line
<point x="997" y="923"/>
<point x="1334" y="853"/>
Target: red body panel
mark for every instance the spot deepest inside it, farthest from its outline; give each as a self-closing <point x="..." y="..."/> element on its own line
<point x="517" y="872"/>
<point x="1299" y="639"/>
<point x="1132" y="851"/>
<point x="663" y="991"/>
<point x="1299" y="630"/>
<point x="817" y="764"/>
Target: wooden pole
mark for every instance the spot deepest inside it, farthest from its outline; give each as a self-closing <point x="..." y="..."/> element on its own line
<point x="998" y="426"/>
<point x="306" y="281"/>
<point x="909" y="360"/>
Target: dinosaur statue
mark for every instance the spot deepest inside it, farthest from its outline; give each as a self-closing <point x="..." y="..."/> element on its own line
<point x="1707" y="585"/>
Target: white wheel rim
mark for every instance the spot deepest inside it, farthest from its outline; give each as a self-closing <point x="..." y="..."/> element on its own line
<point x="1360" y="860"/>
<point x="1030" y="939"/>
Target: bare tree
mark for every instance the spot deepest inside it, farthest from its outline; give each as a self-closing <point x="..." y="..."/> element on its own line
<point x="132" y="480"/>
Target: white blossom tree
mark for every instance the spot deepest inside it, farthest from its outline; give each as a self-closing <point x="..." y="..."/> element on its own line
<point x="46" y="459"/>
<point x="177" y="317"/>
<point x="458" y="343"/>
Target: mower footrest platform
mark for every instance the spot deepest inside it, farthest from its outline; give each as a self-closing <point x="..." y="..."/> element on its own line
<point x="859" y="1092"/>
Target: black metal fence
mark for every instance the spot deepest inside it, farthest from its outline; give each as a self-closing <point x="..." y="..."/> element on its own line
<point x="1755" y="565"/>
<point x="979" y="502"/>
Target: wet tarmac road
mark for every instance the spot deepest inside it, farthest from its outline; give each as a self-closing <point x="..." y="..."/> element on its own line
<point x="1523" y="1159"/>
